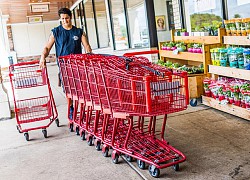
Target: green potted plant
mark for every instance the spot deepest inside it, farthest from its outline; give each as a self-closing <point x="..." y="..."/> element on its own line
<point x="164" y="46"/>
<point x="181" y="46"/>
<point x="184" y="32"/>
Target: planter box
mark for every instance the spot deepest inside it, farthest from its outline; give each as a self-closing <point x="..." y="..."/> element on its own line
<point x="184" y="34"/>
<point x="204" y="33"/>
<point x="195" y="86"/>
<point x="197" y="33"/>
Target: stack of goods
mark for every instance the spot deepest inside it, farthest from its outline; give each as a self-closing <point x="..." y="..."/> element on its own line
<point x="237" y="27"/>
<point x="181" y="47"/>
<point x="234" y="57"/>
<point x="189" y="69"/>
<point x="229" y="90"/>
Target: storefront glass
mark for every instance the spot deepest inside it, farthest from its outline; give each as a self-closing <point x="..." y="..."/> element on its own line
<point x="137" y="24"/>
<point x="119" y="25"/>
<point x="203" y="15"/>
<point x="90" y="24"/>
<point x="238" y="8"/>
<point x="102" y="23"/>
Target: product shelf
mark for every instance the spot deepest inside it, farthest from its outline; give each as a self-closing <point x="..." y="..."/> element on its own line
<point x="230" y="72"/>
<point x="233" y="73"/>
<point x="237" y="40"/>
<point x="228" y="108"/>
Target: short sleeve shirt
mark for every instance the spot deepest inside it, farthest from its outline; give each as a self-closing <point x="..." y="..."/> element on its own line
<point x="67" y="41"/>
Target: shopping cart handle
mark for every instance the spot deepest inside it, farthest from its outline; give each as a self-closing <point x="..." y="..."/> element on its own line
<point x="25" y="63"/>
<point x="141" y="53"/>
<point x="152" y="70"/>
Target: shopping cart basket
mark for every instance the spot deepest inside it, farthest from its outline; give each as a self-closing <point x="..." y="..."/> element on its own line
<point x="34" y="104"/>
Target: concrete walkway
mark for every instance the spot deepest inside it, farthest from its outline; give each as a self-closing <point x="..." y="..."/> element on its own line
<point x="217" y="146"/>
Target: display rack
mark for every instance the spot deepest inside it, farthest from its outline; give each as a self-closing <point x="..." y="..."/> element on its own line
<point x="194" y="59"/>
<point x="230" y="72"/>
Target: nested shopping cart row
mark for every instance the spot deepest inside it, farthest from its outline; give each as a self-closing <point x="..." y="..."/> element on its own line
<point x="122" y="103"/>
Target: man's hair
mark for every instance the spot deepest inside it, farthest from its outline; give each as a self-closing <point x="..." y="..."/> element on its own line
<point x="64" y="11"/>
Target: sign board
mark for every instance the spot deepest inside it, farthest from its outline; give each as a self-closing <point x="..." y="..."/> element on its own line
<point x="35" y="19"/>
<point x="39" y="7"/>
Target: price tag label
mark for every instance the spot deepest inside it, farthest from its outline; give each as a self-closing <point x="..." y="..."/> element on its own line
<point x="175" y="51"/>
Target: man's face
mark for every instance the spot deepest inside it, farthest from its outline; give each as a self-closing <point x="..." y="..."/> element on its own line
<point x="65" y="19"/>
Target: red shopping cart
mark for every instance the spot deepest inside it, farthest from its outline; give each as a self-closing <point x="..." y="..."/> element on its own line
<point x="132" y="94"/>
<point x="34" y="104"/>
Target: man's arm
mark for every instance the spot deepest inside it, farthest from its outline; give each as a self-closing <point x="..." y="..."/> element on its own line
<point x="46" y="50"/>
<point x="86" y="44"/>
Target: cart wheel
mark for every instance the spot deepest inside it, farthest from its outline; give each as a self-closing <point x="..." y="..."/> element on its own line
<point x="77" y="131"/>
<point x="90" y="141"/>
<point x="83" y="136"/>
<point x="153" y="171"/>
<point x="141" y="164"/>
<point x="106" y="152"/>
<point x="44" y="131"/>
<point x="57" y="122"/>
<point x="176" y="167"/>
<point x="26" y="135"/>
<point x="115" y="158"/>
<point x="17" y="127"/>
<point x="129" y="158"/>
<point x="193" y="102"/>
<point x="71" y="127"/>
<point x="98" y="146"/>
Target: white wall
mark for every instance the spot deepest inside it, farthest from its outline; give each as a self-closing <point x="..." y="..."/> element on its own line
<point x="30" y="39"/>
<point x="161" y="9"/>
<point x="4" y="43"/>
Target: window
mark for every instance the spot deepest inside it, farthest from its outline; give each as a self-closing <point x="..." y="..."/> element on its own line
<point x="90" y="22"/>
<point x="102" y="23"/>
<point x="202" y="15"/>
<point x="137" y="24"/>
<point x="238" y="8"/>
<point x="119" y="25"/>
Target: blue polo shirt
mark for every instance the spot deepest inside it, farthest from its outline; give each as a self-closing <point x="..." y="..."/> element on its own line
<point x="67" y="41"/>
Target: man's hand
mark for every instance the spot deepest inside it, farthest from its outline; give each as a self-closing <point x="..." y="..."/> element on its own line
<point x="42" y="63"/>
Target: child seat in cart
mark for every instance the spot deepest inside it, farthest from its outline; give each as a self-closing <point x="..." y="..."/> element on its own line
<point x="133" y="97"/>
<point x="34" y="104"/>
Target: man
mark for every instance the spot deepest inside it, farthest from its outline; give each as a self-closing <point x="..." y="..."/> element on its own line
<point x="67" y="39"/>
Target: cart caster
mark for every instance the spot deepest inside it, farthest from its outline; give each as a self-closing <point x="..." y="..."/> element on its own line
<point x="193" y="102"/>
<point x="176" y="167"/>
<point x="129" y="158"/>
<point x="44" y="131"/>
<point x="57" y="122"/>
<point x="26" y="135"/>
<point x="77" y="131"/>
<point x="115" y="157"/>
<point x="18" y="129"/>
<point x="98" y="145"/>
<point x="141" y="164"/>
<point x="105" y="151"/>
<point x="153" y="171"/>
<point x="90" y="140"/>
<point x="83" y="136"/>
<point x="71" y="127"/>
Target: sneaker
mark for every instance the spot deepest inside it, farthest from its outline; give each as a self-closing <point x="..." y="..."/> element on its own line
<point x="71" y="110"/>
